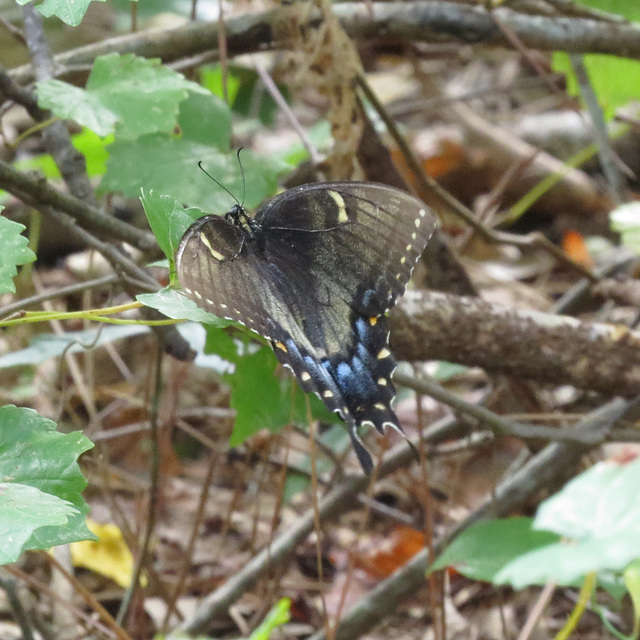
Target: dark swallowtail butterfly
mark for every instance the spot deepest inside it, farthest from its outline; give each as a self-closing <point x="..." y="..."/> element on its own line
<point x="315" y="271"/>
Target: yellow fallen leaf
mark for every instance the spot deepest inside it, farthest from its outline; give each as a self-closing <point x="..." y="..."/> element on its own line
<point x="108" y="556"/>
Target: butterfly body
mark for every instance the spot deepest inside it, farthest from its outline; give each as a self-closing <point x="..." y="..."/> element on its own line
<point x="315" y="271"/>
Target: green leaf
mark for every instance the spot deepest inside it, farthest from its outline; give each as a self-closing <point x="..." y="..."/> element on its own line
<point x="632" y="582"/>
<point x="206" y="119"/>
<point x="614" y="80"/>
<point x="628" y="9"/>
<point x="264" y="400"/>
<point x="211" y="78"/>
<point x="222" y="344"/>
<point x="34" y="454"/>
<point x="168" y="220"/>
<point x="173" y="304"/>
<point x="483" y="549"/>
<point x="169" y="165"/>
<point x="139" y="94"/>
<point x="92" y="147"/>
<point x="625" y="220"/>
<point x="70" y="12"/>
<point x="599" y="510"/>
<point x="23" y="509"/>
<point x="45" y="346"/>
<point x="15" y="251"/>
<point x="74" y="103"/>
<point x="280" y="614"/>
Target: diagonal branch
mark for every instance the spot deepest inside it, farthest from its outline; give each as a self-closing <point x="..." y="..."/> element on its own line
<point x="34" y="190"/>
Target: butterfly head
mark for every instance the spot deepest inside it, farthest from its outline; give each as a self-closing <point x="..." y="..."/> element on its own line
<point x="238" y="215"/>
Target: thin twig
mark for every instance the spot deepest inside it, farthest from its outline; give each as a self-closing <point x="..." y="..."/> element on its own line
<point x="291" y="117"/>
<point x="492" y="421"/>
<point x="608" y="163"/>
<point x="154" y="487"/>
<point x="195" y="530"/>
<point x="19" y="613"/>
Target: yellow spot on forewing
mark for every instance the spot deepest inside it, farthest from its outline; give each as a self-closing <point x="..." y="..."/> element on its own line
<point x="281" y="346"/>
<point x="305" y="376"/>
<point x="205" y="241"/>
<point x="417" y="222"/>
<point x="383" y="353"/>
<point x="379" y="406"/>
<point x="327" y="394"/>
<point x="382" y="382"/>
<point x="373" y="321"/>
<point x="342" y="209"/>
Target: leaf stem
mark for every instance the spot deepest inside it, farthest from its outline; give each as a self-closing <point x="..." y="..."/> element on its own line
<point x="96" y="315"/>
<point x="583" y="598"/>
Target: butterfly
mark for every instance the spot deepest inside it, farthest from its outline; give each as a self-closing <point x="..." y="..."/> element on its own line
<point x="315" y="271"/>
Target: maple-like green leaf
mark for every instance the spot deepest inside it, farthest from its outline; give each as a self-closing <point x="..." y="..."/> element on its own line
<point x="71" y="12"/>
<point x="138" y="95"/>
<point x="40" y="495"/>
<point x="14" y="250"/>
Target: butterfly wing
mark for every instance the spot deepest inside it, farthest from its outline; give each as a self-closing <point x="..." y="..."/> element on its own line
<point x="361" y="237"/>
<point x="348" y="250"/>
<point x="316" y="276"/>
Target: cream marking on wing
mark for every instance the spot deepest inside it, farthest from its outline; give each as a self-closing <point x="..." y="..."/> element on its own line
<point x="327" y="394"/>
<point x="305" y="376"/>
<point x="417" y="222"/>
<point x="414" y="235"/>
<point x="383" y="353"/>
<point x="403" y="260"/>
<point x="379" y="406"/>
<point x="382" y="382"/>
<point x="198" y="295"/>
<point x="408" y="247"/>
<point x="342" y="209"/>
<point x="423" y="213"/>
<point x="205" y="241"/>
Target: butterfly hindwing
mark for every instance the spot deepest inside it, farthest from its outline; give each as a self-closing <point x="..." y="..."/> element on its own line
<point x="315" y="272"/>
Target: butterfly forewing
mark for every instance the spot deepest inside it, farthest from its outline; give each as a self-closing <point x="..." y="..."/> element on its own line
<point x="315" y="273"/>
<point x="362" y="238"/>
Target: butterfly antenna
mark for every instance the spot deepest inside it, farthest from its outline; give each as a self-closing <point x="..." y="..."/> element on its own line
<point x="244" y="184"/>
<point x="206" y="173"/>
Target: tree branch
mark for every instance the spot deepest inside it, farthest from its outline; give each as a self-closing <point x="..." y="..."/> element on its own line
<point x="425" y="21"/>
<point x="37" y="192"/>
<point x="529" y="344"/>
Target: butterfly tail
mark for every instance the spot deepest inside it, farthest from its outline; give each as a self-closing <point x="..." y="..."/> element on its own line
<point x="361" y="451"/>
